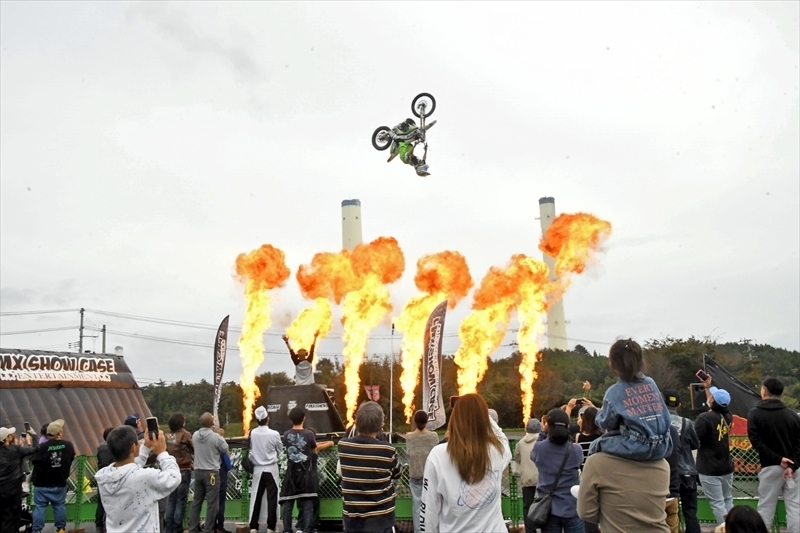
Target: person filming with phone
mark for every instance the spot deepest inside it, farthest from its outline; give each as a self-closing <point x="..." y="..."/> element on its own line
<point x="129" y="491"/>
<point x="714" y="463"/>
<point x="13" y="452"/>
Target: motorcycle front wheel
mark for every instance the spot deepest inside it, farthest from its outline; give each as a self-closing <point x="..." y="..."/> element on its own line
<point x="423" y="98"/>
<point x="381" y="140"/>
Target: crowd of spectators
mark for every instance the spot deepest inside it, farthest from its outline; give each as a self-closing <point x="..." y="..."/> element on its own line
<point x="629" y="465"/>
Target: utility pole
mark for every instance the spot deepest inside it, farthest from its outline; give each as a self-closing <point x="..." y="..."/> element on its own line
<point x="104" y="338"/>
<point x="391" y="389"/>
<point x="80" y="339"/>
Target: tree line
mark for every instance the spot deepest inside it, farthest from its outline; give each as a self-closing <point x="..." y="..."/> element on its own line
<point x="561" y="375"/>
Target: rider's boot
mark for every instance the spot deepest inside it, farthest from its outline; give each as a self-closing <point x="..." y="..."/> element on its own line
<point x="393" y="151"/>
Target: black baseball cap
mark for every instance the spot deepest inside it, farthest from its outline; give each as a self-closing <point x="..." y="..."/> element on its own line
<point x="672" y="398"/>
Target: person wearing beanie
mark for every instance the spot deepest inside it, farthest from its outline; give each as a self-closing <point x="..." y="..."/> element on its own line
<point x="525" y="470"/>
<point x="134" y="420"/>
<point x="419" y="444"/>
<point x="714" y="463"/>
<point x="687" y="471"/>
<point x="548" y="455"/>
<point x="265" y="448"/>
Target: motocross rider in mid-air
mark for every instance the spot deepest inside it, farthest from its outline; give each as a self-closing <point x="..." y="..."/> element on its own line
<point x="403" y="136"/>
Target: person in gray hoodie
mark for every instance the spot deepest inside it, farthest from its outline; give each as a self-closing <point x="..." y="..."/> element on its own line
<point x="523" y="468"/>
<point x="208" y="447"/>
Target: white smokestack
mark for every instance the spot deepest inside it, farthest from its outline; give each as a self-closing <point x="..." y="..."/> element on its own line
<point x="118" y="350"/>
<point x="556" y="323"/>
<point x="351" y="224"/>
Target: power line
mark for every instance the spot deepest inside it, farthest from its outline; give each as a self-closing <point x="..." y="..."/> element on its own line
<point x="45" y="330"/>
<point x="200" y="344"/>
<point x="44" y="312"/>
<point x="164" y="321"/>
<point x="197" y="325"/>
<point x="163" y="339"/>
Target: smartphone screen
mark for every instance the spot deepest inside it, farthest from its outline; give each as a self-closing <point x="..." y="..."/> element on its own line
<point x="453" y="400"/>
<point x="152" y="427"/>
<point x="27" y="427"/>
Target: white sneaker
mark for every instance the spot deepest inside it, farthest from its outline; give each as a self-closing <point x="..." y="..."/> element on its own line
<point x="256" y="531"/>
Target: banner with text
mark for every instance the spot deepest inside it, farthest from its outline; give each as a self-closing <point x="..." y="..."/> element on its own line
<point x="220" y="350"/>
<point x="432" y="401"/>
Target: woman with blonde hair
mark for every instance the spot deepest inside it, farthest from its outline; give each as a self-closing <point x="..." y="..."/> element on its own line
<point x="462" y="481"/>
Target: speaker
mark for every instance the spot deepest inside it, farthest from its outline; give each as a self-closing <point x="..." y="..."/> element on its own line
<point x="697" y="392"/>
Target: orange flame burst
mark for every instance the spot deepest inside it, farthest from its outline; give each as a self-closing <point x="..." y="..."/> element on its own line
<point x="330" y="275"/>
<point x="572" y="240"/>
<point x="530" y="313"/>
<point x="482" y="331"/>
<point x="260" y="270"/>
<point x="312" y="321"/>
<point x="441" y="276"/>
<point x="376" y="264"/>
<point x="521" y="286"/>
<point x="358" y="280"/>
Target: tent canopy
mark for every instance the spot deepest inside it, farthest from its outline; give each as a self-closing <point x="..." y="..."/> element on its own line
<point x="90" y="392"/>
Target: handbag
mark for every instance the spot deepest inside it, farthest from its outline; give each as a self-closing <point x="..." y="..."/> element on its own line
<point x="539" y="511"/>
<point x="247" y="463"/>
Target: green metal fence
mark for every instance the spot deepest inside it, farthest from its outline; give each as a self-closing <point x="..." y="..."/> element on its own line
<point x="82" y="491"/>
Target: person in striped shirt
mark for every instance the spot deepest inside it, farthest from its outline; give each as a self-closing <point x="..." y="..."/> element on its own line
<point x="368" y="467"/>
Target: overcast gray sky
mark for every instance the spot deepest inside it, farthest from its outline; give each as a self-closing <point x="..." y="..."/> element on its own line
<point x="145" y="145"/>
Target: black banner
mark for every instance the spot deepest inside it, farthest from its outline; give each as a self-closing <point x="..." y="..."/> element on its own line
<point x="220" y="350"/>
<point x="743" y="398"/>
<point x="432" y="401"/>
<point x="321" y="414"/>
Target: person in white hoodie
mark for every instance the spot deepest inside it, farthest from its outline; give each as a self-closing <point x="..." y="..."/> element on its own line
<point x="462" y="484"/>
<point x="130" y="492"/>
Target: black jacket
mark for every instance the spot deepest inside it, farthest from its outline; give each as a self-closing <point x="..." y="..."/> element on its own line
<point x="11" y="457"/>
<point x="774" y="431"/>
<point x="104" y="456"/>
<point x="714" y="454"/>
<point x="673" y="460"/>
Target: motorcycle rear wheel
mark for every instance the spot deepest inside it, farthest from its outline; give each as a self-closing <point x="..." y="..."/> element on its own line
<point x="381" y="142"/>
<point x="430" y="104"/>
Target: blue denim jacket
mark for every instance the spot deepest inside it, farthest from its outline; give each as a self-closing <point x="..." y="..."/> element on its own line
<point x="636" y="421"/>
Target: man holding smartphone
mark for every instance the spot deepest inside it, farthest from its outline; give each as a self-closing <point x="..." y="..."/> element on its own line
<point x="11" y="476"/>
<point x="714" y="463"/>
<point x="129" y="491"/>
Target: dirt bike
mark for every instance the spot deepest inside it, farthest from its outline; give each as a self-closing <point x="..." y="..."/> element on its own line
<point x="423" y="105"/>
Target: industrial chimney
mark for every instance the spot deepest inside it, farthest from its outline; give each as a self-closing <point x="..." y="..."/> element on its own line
<point x="351" y="224"/>
<point x="118" y="350"/>
<point x="556" y="324"/>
